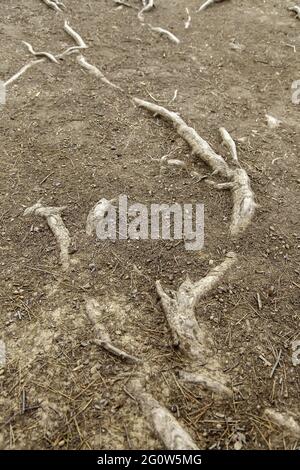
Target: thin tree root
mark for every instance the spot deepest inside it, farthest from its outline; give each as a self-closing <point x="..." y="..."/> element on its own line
<point x="22" y="70"/>
<point x="148" y="6"/>
<point x="285" y="421"/>
<point x="96" y="72"/>
<point x="54" y="5"/>
<point x="93" y="312"/>
<point x="77" y="38"/>
<point x="49" y="56"/>
<point x="194" y="341"/>
<point x="167" y="428"/>
<point x="166" y="33"/>
<point x="230" y="144"/>
<point x="187" y="23"/>
<point x="209" y="3"/>
<point x="57" y="226"/>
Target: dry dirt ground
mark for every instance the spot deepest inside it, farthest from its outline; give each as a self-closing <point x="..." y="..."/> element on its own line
<point x="69" y="139"/>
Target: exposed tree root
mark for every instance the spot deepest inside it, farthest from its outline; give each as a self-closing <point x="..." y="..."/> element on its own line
<point x="148" y="6"/>
<point x="93" y="312"/>
<point x="22" y="70"/>
<point x="243" y="200"/>
<point x="285" y="421"/>
<point x="45" y="54"/>
<point x="187" y="24"/>
<point x="166" y="33"/>
<point x="199" y="146"/>
<point x="96" y="72"/>
<point x="97" y="214"/>
<point x="193" y="340"/>
<point x="77" y="38"/>
<point x="295" y="9"/>
<point x="167" y="428"/>
<point x="54" y="4"/>
<point x="239" y="183"/>
<point x="209" y="3"/>
<point x="57" y="226"/>
<point x="230" y="144"/>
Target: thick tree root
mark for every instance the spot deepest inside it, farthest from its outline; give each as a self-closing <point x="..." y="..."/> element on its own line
<point x="285" y="421"/>
<point x="93" y="312"/>
<point x="239" y="183"/>
<point x="198" y="145"/>
<point x="57" y="226"/>
<point x="167" y="428"/>
<point x="194" y="341"/>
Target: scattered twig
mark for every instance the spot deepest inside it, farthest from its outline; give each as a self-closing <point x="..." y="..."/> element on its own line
<point x="2" y="353"/>
<point x="96" y="72"/>
<point x="57" y="226"/>
<point x="167" y="428"/>
<point x="166" y="33"/>
<point x="93" y="312"/>
<point x="124" y="4"/>
<point x="45" y="54"/>
<point x="276" y="364"/>
<point x="285" y="421"/>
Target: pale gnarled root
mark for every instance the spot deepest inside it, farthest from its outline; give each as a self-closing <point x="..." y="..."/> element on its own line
<point x="95" y="72"/>
<point x="77" y="38"/>
<point x="49" y="56"/>
<point x="97" y="214"/>
<point x="165" y="32"/>
<point x="243" y="200"/>
<point x="149" y="4"/>
<point x="194" y="341"/>
<point x="198" y="145"/>
<point x="94" y="314"/>
<point x="54" y="5"/>
<point x="285" y="421"/>
<point x="57" y="226"/>
<point x="167" y="428"/>
<point x="209" y="3"/>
